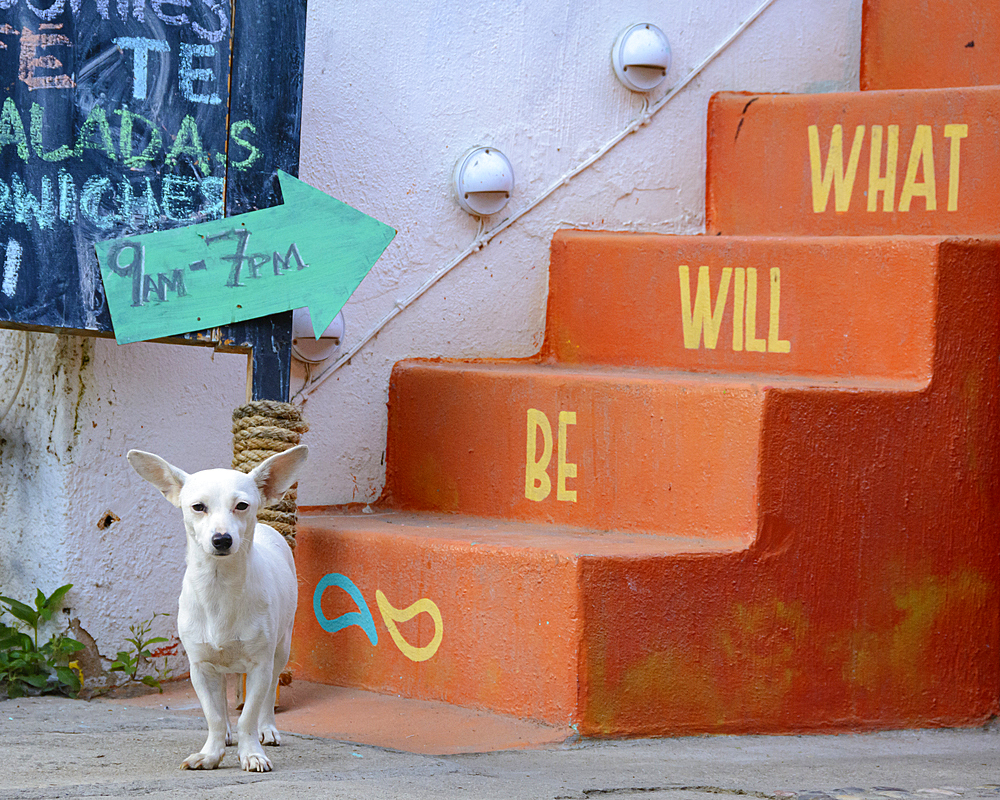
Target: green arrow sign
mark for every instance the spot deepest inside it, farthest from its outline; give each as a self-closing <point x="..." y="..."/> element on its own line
<point x="311" y="251"/>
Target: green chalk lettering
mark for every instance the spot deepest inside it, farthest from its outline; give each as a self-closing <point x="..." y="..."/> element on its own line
<point x="125" y="140"/>
<point x="188" y="142"/>
<point x="37" y="126"/>
<point x="12" y="129"/>
<point x="95" y="134"/>
<point x="235" y="133"/>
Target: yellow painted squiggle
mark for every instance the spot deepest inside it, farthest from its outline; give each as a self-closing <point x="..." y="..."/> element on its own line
<point x="391" y="615"/>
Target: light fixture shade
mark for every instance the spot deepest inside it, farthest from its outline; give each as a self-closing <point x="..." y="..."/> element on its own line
<point x="641" y="57"/>
<point x="306" y="347"/>
<point x="483" y="181"/>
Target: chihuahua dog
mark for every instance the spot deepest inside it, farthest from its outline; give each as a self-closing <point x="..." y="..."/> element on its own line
<point x="238" y="596"/>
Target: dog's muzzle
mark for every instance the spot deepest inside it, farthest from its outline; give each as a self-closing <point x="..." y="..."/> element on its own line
<point x="222" y="542"/>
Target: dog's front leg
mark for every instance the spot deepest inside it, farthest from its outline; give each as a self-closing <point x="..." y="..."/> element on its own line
<point x="252" y="757"/>
<point x="210" y="686"/>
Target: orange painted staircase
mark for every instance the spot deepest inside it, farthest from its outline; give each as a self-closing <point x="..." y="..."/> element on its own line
<point x="750" y="483"/>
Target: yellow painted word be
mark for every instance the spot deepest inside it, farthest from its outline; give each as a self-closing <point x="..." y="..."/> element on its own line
<point x="537" y="484"/>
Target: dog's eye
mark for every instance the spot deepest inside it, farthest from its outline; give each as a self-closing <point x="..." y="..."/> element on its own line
<point x="241" y="506"/>
<point x="199" y="507"/>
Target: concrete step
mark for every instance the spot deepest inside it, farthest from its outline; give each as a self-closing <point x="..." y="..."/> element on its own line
<point x="597" y="449"/>
<point x="861" y="163"/>
<point x="850" y="309"/>
<point x="907" y="45"/>
<point x="482" y="614"/>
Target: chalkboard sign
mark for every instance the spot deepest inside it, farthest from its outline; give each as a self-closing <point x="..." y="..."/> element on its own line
<point x="121" y="117"/>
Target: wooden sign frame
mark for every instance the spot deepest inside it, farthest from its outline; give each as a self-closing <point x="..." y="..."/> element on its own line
<point x="125" y="116"/>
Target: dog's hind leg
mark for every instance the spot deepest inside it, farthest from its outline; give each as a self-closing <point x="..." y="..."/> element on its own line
<point x="252" y="757"/>
<point x="210" y="687"/>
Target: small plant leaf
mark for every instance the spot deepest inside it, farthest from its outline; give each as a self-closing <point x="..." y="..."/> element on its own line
<point x="38" y="680"/>
<point x="49" y="605"/>
<point x="149" y="680"/>
<point x="69" y="679"/>
<point x="23" y="612"/>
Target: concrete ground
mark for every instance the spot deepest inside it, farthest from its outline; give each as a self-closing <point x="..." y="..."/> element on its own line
<point x="59" y="748"/>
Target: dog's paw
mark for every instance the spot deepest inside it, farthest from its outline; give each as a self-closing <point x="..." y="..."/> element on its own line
<point x="202" y="761"/>
<point x="269" y="735"/>
<point x="230" y="739"/>
<point x="255" y="762"/>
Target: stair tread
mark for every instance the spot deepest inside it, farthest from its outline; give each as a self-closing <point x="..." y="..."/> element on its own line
<point x="485" y="533"/>
<point x="682" y="378"/>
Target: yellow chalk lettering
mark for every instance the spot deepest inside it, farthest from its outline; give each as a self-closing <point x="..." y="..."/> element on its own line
<point x="921" y="155"/>
<point x="537" y="484"/>
<point x="752" y="343"/>
<point x="564" y="469"/>
<point x="774" y="343"/>
<point x="877" y="183"/>
<point x="833" y="173"/>
<point x="702" y="317"/>
<point x="739" y="294"/>
<point x="956" y="133"/>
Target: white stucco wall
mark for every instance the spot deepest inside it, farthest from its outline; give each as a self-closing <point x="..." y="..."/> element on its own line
<point x="394" y="94"/>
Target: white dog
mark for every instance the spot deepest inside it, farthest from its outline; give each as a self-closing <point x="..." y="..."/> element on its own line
<point x="238" y="597"/>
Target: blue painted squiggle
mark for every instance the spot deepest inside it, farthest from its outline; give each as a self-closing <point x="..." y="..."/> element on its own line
<point x="362" y="617"/>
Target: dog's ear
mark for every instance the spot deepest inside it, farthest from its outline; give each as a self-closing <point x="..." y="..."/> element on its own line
<point x="274" y="476"/>
<point x="165" y="477"/>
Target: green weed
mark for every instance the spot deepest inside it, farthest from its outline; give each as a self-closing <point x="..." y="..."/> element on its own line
<point x="30" y="668"/>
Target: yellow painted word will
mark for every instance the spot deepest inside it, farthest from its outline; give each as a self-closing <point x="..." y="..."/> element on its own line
<point x="702" y="320"/>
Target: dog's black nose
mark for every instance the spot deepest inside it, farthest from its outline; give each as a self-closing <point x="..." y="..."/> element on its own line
<point x="222" y="541"/>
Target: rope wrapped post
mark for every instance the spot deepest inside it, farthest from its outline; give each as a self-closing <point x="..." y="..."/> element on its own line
<point x="261" y="429"/>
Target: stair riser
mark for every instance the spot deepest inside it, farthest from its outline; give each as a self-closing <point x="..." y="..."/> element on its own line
<point x="853" y="309"/>
<point x="611" y="453"/>
<point x="954" y="42"/>
<point x="906" y="162"/>
<point x="507" y="626"/>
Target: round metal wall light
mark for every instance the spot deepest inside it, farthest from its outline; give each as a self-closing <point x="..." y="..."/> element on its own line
<point x="306" y="347"/>
<point x="641" y="57"/>
<point x="483" y="181"/>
